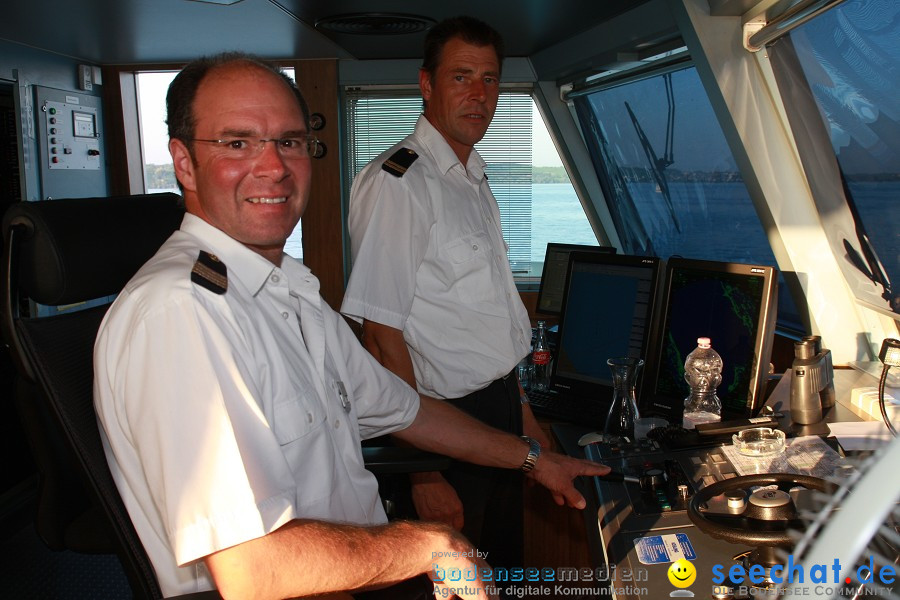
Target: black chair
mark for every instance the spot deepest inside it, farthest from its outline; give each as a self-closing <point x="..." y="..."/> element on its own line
<point x="73" y="256"/>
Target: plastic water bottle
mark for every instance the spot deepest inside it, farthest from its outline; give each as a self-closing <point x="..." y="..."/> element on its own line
<point x="703" y="372"/>
<point x="540" y="358"/>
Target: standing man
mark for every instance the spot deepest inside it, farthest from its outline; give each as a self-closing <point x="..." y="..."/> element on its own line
<point x="232" y="400"/>
<point x="432" y="284"/>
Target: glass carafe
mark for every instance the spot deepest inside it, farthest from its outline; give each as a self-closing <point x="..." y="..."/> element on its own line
<point x="624" y="410"/>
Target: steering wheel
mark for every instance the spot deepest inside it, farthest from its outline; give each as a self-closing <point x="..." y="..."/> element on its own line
<point x="760" y="518"/>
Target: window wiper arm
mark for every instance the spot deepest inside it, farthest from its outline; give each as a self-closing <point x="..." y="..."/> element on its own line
<point x="868" y="263"/>
<point x="658" y="167"/>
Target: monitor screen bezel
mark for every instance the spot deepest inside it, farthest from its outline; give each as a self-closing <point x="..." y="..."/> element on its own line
<point x="654" y="402"/>
<point x="598" y="391"/>
<point x="554" y="247"/>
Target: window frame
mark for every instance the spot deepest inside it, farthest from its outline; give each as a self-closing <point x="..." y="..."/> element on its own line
<point x="791" y="319"/>
<point x="829" y="186"/>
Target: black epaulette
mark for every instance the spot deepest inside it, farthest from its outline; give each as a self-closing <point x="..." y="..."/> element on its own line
<point x="399" y="162"/>
<point x="210" y="272"/>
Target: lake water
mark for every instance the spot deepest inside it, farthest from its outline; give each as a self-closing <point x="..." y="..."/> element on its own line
<point x="717" y="221"/>
<point x="557" y="216"/>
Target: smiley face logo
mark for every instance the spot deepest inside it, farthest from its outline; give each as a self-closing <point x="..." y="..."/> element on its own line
<point x="682" y="573"/>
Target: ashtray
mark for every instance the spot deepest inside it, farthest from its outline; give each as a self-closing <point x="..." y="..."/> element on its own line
<point x="759" y="441"/>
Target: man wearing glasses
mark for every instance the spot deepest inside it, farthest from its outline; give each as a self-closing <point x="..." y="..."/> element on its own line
<point x="232" y="399"/>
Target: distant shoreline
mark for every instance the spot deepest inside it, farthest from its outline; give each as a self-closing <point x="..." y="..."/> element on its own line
<point x="163" y="177"/>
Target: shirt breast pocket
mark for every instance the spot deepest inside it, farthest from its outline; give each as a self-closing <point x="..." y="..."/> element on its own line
<point x="294" y="420"/>
<point x="470" y="259"/>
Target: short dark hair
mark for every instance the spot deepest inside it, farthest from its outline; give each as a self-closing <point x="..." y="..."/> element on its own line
<point x="469" y="30"/>
<point x="183" y="91"/>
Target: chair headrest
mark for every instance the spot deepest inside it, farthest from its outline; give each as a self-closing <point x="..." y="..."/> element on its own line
<point x="74" y="250"/>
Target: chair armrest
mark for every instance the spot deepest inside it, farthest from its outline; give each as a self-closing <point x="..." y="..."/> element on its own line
<point x="393" y="459"/>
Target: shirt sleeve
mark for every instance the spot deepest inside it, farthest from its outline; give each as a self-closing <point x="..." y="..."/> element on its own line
<point x="389" y="225"/>
<point x="181" y="414"/>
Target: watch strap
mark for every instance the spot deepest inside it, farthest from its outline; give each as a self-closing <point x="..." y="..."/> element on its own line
<point x="534" y="452"/>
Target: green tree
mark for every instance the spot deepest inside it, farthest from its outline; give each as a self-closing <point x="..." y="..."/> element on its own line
<point x="549" y="175"/>
<point x="160" y="177"/>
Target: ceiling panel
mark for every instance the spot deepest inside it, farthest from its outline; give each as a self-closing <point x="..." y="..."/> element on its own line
<point x="153" y="31"/>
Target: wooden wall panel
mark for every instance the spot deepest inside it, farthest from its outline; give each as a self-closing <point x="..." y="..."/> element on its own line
<point x="118" y="103"/>
<point x="323" y="245"/>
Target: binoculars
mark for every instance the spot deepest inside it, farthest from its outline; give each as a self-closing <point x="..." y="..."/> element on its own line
<point x="812" y="382"/>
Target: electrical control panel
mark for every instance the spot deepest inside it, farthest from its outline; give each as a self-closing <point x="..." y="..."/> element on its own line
<point x="73" y="139"/>
<point x="69" y="138"/>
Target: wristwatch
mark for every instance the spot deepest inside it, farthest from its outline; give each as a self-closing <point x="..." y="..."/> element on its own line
<point x="534" y="452"/>
<point x="523" y="398"/>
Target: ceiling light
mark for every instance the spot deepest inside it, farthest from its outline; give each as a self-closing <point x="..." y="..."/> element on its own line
<point x="222" y="2"/>
<point x="375" y="23"/>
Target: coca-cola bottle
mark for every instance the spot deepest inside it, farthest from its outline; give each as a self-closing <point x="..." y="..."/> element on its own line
<point x="540" y="357"/>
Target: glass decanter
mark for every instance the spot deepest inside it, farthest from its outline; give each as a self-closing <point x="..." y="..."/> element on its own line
<point x="624" y="410"/>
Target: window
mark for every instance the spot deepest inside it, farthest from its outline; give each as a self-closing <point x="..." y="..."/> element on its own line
<point x="537" y="202"/>
<point x="159" y="175"/>
<point x="670" y="181"/>
<point x="842" y="73"/>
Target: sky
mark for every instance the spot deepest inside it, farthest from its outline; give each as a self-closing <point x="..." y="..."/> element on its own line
<point x="152" y="94"/>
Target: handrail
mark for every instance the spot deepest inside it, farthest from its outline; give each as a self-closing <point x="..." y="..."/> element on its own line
<point x="792" y="18"/>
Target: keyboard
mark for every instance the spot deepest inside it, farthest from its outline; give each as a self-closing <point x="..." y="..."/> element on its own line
<point x="554" y="406"/>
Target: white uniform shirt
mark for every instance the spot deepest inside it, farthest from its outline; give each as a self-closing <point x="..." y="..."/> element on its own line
<point x="429" y="258"/>
<point x="220" y="421"/>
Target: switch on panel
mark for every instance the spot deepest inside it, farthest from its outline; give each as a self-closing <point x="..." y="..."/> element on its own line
<point x="85" y="77"/>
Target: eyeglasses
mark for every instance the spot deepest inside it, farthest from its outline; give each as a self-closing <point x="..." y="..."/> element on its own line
<point x="287" y="147"/>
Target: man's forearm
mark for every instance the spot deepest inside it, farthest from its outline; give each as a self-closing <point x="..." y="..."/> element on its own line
<point x="313" y="557"/>
<point x="439" y="427"/>
<point x="445" y="429"/>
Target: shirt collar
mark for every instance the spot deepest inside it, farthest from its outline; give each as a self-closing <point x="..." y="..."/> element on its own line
<point x="444" y="156"/>
<point x="248" y="267"/>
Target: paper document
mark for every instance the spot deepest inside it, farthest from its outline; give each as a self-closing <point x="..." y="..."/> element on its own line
<point x="860" y="435"/>
<point x="808" y="455"/>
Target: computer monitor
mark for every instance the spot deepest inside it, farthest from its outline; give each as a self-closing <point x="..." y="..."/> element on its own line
<point x="608" y="306"/>
<point x="732" y="304"/>
<point x="553" y="277"/>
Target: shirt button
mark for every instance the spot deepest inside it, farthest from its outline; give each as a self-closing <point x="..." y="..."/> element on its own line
<point x="337" y="424"/>
<point x="474" y="246"/>
<point x="275" y="278"/>
<point x="285" y="315"/>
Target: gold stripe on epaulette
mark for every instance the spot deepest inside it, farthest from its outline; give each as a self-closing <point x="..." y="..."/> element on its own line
<point x="211" y="276"/>
<point x="399" y="161"/>
<point x="210" y="273"/>
<point x="400" y="169"/>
